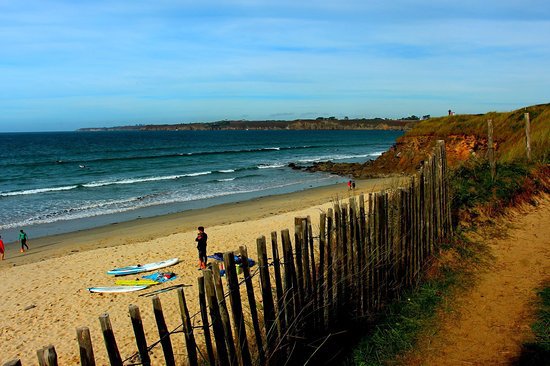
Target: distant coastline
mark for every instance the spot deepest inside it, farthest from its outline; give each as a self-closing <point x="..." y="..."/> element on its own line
<point x="320" y="123"/>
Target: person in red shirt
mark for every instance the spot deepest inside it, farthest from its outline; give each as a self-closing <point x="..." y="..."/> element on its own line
<point x="1" y="248"/>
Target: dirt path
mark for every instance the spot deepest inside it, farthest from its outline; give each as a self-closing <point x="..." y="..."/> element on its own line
<point x="492" y="321"/>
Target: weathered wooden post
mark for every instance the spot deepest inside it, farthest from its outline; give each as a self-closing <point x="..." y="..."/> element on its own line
<point x="224" y="314"/>
<point x="139" y="333"/>
<point x="190" y="343"/>
<point x="267" y="295"/>
<point x="217" y="325"/>
<point x="252" y="304"/>
<point x="41" y="355"/>
<point x="321" y="274"/>
<point x="85" y="347"/>
<point x="289" y="280"/>
<point x="329" y="299"/>
<point x="110" y="341"/>
<point x="164" y="334"/>
<point x="236" y="307"/>
<point x="278" y="282"/>
<point x="527" y="135"/>
<point x="205" y="323"/>
<point x="14" y="362"/>
<point x="490" y="149"/>
<point x="47" y="356"/>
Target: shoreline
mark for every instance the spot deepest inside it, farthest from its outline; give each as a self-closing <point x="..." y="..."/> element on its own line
<point x="150" y="228"/>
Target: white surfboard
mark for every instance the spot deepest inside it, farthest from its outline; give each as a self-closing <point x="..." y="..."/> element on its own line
<point x="142" y="267"/>
<point x="117" y="288"/>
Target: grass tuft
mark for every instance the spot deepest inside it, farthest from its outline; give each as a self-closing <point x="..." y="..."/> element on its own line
<point x="538" y="351"/>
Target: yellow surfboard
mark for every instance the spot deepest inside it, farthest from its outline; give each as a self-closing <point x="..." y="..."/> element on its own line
<point x="136" y="282"/>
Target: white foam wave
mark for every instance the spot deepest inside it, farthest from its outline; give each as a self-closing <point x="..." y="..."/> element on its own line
<point x="197" y="174"/>
<point x="225" y="180"/>
<point x="226" y="171"/>
<point x="38" y="190"/>
<point x="270" y="166"/>
<point x="143" y="180"/>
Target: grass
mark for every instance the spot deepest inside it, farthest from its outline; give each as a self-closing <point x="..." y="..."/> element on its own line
<point x="404" y="321"/>
<point x="538" y="351"/>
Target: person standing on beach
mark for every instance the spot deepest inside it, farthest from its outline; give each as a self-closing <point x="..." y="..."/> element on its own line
<point x="23" y="240"/>
<point x="1" y="248"/>
<point x="201" y="246"/>
<point x="349" y="185"/>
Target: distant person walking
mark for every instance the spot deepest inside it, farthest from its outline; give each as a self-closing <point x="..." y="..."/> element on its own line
<point x="353" y="185"/>
<point x="349" y="185"/>
<point x="1" y="248"/>
<point x="23" y="240"/>
<point x="201" y="246"/>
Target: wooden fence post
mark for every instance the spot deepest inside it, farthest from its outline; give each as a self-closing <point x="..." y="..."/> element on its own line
<point x="527" y="135"/>
<point x="164" y="334"/>
<point x="490" y="148"/>
<point x="314" y="288"/>
<point x="321" y="285"/>
<point x="139" y="333"/>
<point x="289" y="280"/>
<point x="344" y="260"/>
<point x="337" y="264"/>
<point x="110" y="342"/>
<point x="252" y="304"/>
<point x="329" y="299"/>
<point x="85" y="347"/>
<point x="190" y="343"/>
<point x="299" y="266"/>
<point x="14" y="362"/>
<point x="217" y="325"/>
<point x="41" y="355"/>
<point x="267" y="295"/>
<point x="236" y="307"/>
<point x="205" y="322"/>
<point x="224" y="314"/>
<point x="278" y="283"/>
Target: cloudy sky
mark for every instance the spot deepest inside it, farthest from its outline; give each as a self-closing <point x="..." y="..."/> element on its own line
<point x="70" y="64"/>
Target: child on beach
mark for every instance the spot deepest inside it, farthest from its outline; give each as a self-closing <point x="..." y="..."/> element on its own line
<point x="23" y="240"/>
<point x="201" y="246"/>
<point x="1" y="248"/>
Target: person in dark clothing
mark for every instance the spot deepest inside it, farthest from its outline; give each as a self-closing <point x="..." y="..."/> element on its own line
<point x="201" y="246"/>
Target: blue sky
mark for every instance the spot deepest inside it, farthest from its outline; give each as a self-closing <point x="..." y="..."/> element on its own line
<point x="70" y="64"/>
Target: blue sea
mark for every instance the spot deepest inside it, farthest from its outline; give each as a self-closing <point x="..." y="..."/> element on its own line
<point x="59" y="182"/>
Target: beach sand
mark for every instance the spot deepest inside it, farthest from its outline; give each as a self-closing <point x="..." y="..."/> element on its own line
<point x="44" y="291"/>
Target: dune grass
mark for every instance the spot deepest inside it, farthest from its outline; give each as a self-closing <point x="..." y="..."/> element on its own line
<point x="537" y="352"/>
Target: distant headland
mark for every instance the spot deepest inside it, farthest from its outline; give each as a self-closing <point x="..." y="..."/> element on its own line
<point x="321" y="123"/>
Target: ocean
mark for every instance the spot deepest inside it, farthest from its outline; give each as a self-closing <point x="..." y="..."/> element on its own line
<point x="58" y="182"/>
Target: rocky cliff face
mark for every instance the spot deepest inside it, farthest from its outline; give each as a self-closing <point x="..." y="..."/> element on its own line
<point x="406" y="156"/>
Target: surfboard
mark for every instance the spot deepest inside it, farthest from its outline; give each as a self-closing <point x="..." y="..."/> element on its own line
<point x="114" y="289"/>
<point x="142" y="267"/>
<point x="136" y="282"/>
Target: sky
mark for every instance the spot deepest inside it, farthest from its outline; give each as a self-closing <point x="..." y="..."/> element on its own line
<point x="69" y="64"/>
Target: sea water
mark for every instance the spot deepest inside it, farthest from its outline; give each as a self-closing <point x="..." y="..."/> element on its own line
<point x="59" y="182"/>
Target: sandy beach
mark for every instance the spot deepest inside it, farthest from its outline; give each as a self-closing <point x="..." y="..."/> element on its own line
<point x="44" y="290"/>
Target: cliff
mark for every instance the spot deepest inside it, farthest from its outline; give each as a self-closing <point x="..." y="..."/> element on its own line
<point x="465" y="137"/>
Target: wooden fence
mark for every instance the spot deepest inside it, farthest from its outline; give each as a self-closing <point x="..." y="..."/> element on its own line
<point x="366" y="252"/>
